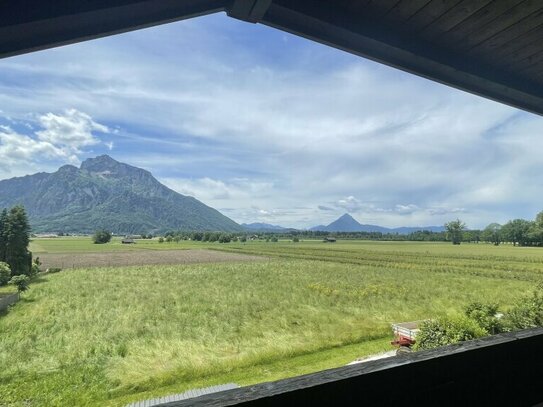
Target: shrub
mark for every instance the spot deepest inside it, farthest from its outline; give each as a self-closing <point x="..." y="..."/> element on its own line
<point x="295" y="239"/>
<point x="243" y="239"/>
<point x="446" y="331"/>
<point x="34" y="270"/>
<point x="5" y="273"/>
<point x="161" y="240"/>
<point x="20" y="281"/>
<point x="53" y="270"/>
<point x="101" y="236"/>
<point x="486" y="316"/>
<point x="274" y="239"/>
<point x="527" y="312"/>
<point x="224" y="238"/>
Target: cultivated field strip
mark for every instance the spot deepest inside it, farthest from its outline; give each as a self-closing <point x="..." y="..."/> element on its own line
<point x="503" y="267"/>
<point x="141" y="258"/>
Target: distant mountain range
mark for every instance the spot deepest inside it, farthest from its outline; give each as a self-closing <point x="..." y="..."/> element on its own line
<point x="263" y="227"/>
<point x="104" y="193"/>
<point x="346" y="223"/>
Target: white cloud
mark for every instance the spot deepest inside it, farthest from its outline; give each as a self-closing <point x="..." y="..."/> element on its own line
<point x="72" y="130"/>
<point x="350" y="204"/>
<point x="15" y="147"/>
<point x="406" y="209"/>
<point x="60" y="139"/>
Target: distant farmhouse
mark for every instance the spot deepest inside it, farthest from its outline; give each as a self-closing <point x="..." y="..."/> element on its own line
<point x="329" y="240"/>
<point x="128" y="240"/>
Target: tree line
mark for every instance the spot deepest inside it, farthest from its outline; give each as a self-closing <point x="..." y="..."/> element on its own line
<point x="15" y="259"/>
<point x="14" y="240"/>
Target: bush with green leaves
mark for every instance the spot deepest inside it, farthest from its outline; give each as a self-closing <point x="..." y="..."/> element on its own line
<point x="486" y="316"/>
<point x="295" y="239"/>
<point x="446" y="331"/>
<point x="101" y="236"/>
<point x="527" y="312"/>
<point x="274" y="239"/>
<point x="161" y="240"/>
<point x="5" y="273"/>
<point x="21" y="282"/>
<point x="53" y="270"/>
<point x="35" y="269"/>
<point x="225" y="238"/>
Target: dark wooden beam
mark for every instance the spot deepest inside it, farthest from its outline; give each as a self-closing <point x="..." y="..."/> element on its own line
<point x="33" y="25"/>
<point x="495" y="371"/>
<point x="251" y="11"/>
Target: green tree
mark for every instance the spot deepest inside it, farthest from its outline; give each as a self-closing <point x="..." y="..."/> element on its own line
<point x="224" y="238"/>
<point x="493" y="234"/>
<point x="536" y="231"/>
<point x="517" y="231"/>
<point x="197" y="236"/>
<point x="3" y="231"/>
<point x="16" y="237"/>
<point x="5" y="273"/>
<point x="21" y="282"/>
<point x="101" y="236"/>
<point x="454" y="230"/>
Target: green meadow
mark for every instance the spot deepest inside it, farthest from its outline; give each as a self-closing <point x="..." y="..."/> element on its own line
<point x="112" y="335"/>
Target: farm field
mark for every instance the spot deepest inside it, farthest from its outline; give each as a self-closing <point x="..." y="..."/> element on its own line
<point x="141" y="257"/>
<point x="82" y="244"/>
<point x="111" y="335"/>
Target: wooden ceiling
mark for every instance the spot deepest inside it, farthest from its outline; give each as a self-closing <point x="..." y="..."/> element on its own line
<point x="493" y="48"/>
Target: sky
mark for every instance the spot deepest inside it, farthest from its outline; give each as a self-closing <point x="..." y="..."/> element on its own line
<point x="269" y="127"/>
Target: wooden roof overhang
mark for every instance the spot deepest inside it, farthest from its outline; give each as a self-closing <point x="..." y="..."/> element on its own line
<point x="492" y="48"/>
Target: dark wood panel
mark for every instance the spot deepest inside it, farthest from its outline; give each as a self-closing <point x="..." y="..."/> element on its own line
<point x="405" y="9"/>
<point x="453" y="17"/>
<point x="519" y="51"/>
<point x="357" y="6"/>
<point x="429" y="13"/>
<point x="478" y="19"/>
<point x="532" y="65"/>
<point x="508" y="28"/>
<point x="381" y="7"/>
<point x="502" y="22"/>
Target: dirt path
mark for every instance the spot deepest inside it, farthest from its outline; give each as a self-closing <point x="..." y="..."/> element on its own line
<point x="377" y="356"/>
<point x="138" y="258"/>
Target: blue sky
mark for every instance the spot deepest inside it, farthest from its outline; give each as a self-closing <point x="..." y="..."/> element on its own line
<point x="269" y="127"/>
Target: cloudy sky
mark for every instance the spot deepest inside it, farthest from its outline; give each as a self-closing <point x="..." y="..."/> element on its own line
<point x="268" y="127"/>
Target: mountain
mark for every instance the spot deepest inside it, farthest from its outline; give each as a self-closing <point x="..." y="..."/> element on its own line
<point x="406" y="230"/>
<point x="346" y="223"/>
<point x="104" y="193"/>
<point x="257" y="226"/>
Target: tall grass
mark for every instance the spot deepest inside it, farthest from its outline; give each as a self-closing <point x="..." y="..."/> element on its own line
<point x="107" y="335"/>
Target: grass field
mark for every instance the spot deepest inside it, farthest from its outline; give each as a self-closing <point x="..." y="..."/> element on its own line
<point x="110" y="335"/>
